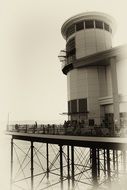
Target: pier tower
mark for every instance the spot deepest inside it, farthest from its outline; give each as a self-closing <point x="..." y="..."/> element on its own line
<point x="92" y="69"/>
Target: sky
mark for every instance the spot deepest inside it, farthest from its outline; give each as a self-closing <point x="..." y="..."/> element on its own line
<point x="32" y="85"/>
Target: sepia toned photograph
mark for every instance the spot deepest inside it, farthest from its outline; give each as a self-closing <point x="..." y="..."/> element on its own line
<point x="63" y="95"/>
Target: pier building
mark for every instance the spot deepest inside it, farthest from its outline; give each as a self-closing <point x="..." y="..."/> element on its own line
<point x="95" y="71"/>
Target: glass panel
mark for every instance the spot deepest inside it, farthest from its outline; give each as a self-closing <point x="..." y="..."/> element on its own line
<point x="74" y="106"/>
<point x="82" y="105"/>
<point x="69" y="106"/>
<point x="98" y="24"/>
<point x="89" y="24"/>
<point x="79" y="26"/>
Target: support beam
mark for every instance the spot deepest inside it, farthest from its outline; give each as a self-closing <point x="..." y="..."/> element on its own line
<point x="47" y="155"/>
<point x="68" y="166"/>
<point x="108" y="165"/>
<point x="94" y="167"/>
<point x="117" y="162"/>
<point x="98" y="162"/>
<point x="114" y="160"/>
<point x="61" y="166"/>
<point x="32" y="168"/>
<point x="72" y="165"/>
<point x="11" y="179"/>
<point x="104" y="161"/>
<point x="124" y="161"/>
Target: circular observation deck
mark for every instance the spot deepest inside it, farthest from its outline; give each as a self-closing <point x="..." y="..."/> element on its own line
<point x="106" y="22"/>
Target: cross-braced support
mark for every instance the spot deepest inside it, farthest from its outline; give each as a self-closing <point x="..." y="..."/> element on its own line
<point x="42" y="165"/>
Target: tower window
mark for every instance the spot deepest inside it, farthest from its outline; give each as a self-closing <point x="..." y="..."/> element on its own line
<point x="98" y="24"/>
<point x="69" y="107"/>
<point x="89" y="24"/>
<point x="82" y="105"/>
<point x="73" y="106"/>
<point x="106" y="26"/>
<point x="79" y="26"/>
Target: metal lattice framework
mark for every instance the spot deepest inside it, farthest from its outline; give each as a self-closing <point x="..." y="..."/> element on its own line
<point x="39" y="166"/>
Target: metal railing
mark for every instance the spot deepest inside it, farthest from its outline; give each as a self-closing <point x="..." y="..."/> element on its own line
<point x="65" y="129"/>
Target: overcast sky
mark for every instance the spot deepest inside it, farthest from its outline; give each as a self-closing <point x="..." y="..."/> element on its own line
<point x="32" y="86"/>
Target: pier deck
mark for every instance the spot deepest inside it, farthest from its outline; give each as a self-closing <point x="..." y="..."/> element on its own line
<point x="82" y="141"/>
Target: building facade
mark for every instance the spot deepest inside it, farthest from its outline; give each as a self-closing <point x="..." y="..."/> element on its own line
<point x="95" y="71"/>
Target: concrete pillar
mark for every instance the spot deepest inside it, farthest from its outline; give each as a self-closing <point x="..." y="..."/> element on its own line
<point x="115" y="93"/>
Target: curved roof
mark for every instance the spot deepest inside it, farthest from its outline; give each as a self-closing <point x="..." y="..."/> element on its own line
<point x="88" y="15"/>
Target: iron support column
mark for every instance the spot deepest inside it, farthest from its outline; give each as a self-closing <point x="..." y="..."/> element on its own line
<point x="114" y="163"/>
<point x="47" y="154"/>
<point x="11" y="179"/>
<point x="72" y="163"/>
<point x="61" y="166"/>
<point x="32" y="168"/>
<point x="98" y="162"/>
<point x="108" y="165"/>
<point x="117" y="164"/>
<point x="68" y="167"/>
<point x="124" y="161"/>
<point x="104" y="163"/>
<point x="94" y="167"/>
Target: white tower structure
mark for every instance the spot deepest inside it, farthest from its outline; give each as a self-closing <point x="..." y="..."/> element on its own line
<point x="90" y="64"/>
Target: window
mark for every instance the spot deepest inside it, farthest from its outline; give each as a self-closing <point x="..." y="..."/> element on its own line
<point x="98" y="24"/>
<point x="89" y="24"/>
<point x="106" y="26"/>
<point x="73" y="106"/>
<point x="79" y="26"/>
<point x="82" y="105"/>
<point x="70" y="30"/>
<point x="69" y="107"/>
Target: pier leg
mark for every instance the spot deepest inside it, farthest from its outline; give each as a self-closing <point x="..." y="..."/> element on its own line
<point x="32" y="168"/>
<point x="117" y="164"/>
<point x="11" y="180"/>
<point x="47" y="154"/>
<point x="94" y="167"/>
<point x="124" y="161"/>
<point x="114" y="163"/>
<point x="104" y="162"/>
<point x="72" y="163"/>
<point x="98" y="162"/>
<point x="108" y="165"/>
<point x="68" y="167"/>
<point x="61" y="166"/>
